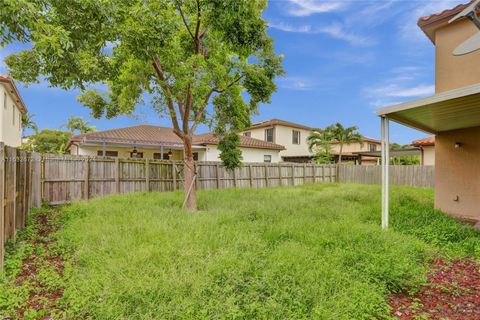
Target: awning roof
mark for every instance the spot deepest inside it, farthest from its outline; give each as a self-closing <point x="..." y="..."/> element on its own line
<point x="455" y="109"/>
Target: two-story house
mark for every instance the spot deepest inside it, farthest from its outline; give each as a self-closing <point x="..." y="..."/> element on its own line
<point x="453" y="113"/>
<point x="11" y="110"/>
<point x="292" y="136"/>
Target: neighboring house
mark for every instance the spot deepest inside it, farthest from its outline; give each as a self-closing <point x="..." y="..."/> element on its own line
<point x="11" y="110"/>
<point x="350" y="151"/>
<point x="154" y="142"/>
<point x="427" y="147"/>
<point x="453" y="113"/>
<point x="292" y="136"/>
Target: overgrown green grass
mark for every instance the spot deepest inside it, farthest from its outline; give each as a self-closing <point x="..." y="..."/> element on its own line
<point x="314" y="251"/>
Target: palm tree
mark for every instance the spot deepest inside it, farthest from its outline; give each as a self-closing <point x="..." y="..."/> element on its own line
<point x="78" y="124"/>
<point x="343" y="136"/>
<point x="28" y="123"/>
<point x="320" y="142"/>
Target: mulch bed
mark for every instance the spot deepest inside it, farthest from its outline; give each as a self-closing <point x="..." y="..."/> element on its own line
<point x="42" y="297"/>
<point x="453" y="292"/>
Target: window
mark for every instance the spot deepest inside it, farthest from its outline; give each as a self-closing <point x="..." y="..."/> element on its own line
<point x="158" y="156"/>
<point x="372" y="147"/>
<point x="4" y="100"/>
<point x="247" y="134"/>
<point x="269" y="135"/>
<point x="20" y="122"/>
<point x="139" y="155"/>
<point x="107" y="153"/>
<point x="195" y="156"/>
<point x="267" y="158"/>
<point x="13" y="114"/>
<point x="295" y="137"/>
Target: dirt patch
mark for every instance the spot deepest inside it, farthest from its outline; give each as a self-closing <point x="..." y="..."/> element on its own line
<point x="453" y="293"/>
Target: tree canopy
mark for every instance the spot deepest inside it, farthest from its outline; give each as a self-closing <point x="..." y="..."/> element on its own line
<point x="195" y="61"/>
<point x="79" y="125"/>
<point x="48" y="141"/>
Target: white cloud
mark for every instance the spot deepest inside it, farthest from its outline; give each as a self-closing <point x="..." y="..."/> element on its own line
<point x="335" y="31"/>
<point x="302" y="8"/>
<point x="401" y="85"/>
<point x="297" y="83"/>
<point x="398" y="91"/>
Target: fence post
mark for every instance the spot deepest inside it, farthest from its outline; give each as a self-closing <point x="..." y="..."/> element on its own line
<point x="314" y="168"/>
<point x="86" y="176"/>
<point x="174" y="175"/>
<point x="304" y="173"/>
<point x="293" y="175"/>
<point x="2" y="203"/>
<point x="218" y="175"/>
<point x="147" y="175"/>
<point x="234" y="177"/>
<point x="280" y="175"/>
<point x="250" y="175"/>
<point x="117" y="175"/>
<point x="266" y="175"/>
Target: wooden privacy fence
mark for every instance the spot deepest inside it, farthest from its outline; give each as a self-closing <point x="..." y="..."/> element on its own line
<point x="68" y="178"/>
<point x="19" y="191"/>
<point x="416" y="176"/>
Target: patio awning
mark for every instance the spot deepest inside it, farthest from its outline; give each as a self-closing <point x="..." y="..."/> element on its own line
<point x="455" y="109"/>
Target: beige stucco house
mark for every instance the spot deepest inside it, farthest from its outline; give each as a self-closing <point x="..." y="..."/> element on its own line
<point x="161" y="143"/>
<point x="350" y="152"/>
<point x="11" y="110"/>
<point x="427" y="148"/>
<point x="453" y="113"/>
<point x="292" y="136"/>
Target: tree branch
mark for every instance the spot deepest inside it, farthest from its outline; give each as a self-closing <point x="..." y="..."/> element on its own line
<point x="173" y="114"/>
<point x="184" y="20"/>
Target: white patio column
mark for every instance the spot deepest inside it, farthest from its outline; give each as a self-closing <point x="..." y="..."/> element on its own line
<point x="385" y="128"/>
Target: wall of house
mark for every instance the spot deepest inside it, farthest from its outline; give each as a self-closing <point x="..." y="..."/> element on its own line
<point x="10" y="119"/>
<point x="210" y="154"/>
<point x="354" y="147"/>
<point x="457" y="173"/>
<point x="455" y="71"/>
<point x="248" y="154"/>
<point x="428" y="155"/>
<point x="284" y="136"/>
<point x="124" y="152"/>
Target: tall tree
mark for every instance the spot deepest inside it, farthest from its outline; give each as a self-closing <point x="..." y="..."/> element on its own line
<point x="48" y="141"/>
<point x="79" y="125"/>
<point x="28" y="123"/>
<point x="320" y="143"/>
<point x="200" y="61"/>
<point x="344" y="136"/>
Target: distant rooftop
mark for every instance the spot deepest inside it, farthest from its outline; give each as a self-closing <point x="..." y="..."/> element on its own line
<point x="275" y="122"/>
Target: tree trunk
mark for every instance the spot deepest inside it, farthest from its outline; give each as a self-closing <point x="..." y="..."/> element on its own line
<point x="189" y="175"/>
<point x="340" y="153"/>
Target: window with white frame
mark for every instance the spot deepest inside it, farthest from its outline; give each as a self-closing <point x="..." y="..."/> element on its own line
<point x="295" y="137"/>
<point x="267" y="158"/>
<point x="5" y="100"/>
<point x="247" y="134"/>
<point x="372" y="147"/>
<point x="269" y="135"/>
<point x="13" y="114"/>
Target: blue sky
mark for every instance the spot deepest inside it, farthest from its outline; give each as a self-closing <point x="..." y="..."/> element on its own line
<point x="343" y="60"/>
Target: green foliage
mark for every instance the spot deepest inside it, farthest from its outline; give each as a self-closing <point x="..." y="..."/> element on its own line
<point x="344" y="135"/>
<point x="28" y="123"/>
<point x="320" y="142"/>
<point x="78" y="125"/>
<point x="200" y="62"/>
<point x="403" y="160"/>
<point x="48" y="141"/>
<point x="230" y="154"/>
<point x="307" y="252"/>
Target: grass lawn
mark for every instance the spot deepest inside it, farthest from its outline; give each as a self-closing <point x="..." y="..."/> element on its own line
<point x="313" y="251"/>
